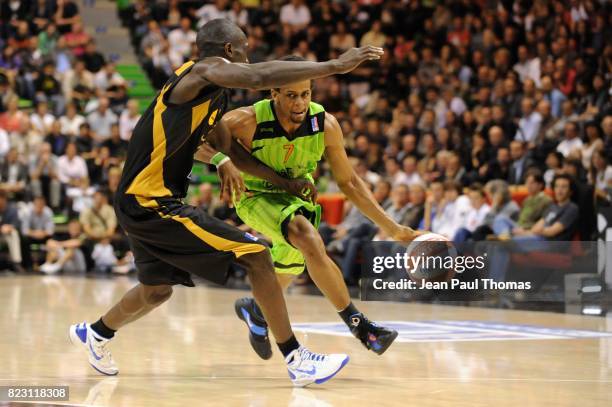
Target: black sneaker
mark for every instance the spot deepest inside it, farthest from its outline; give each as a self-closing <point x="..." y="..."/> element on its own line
<point x="258" y="328"/>
<point x="373" y="337"/>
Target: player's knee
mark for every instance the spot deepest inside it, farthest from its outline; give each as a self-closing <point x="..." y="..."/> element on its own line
<point x="156" y="295"/>
<point x="305" y="237"/>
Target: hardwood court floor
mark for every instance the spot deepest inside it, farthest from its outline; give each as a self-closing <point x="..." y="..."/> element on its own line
<point x="194" y="352"/>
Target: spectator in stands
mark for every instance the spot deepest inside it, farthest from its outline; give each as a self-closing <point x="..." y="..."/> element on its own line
<point x="601" y="176"/>
<point x="44" y="176"/>
<point x="108" y="76"/>
<point x="75" y="79"/>
<point x="475" y="215"/>
<point x="71" y="121"/>
<point x="409" y="167"/>
<point x="452" y="211"/>
<point x="94" y="60"/>
<point x="534" y="207"/>
<point x="217" y="9"/>
<point x="502" y="206"/>
<point x="558" y="223"/>
<point x="400" y="196"/>
<point x="57" y="139"/>
<point x="520" y="163"/>
<point x="394" y="172"/>
<point x="101" y="121"/>
<point x="41" y="119"/>
<point x="71" y="168"/>
<point x="13" y="117"/>
<point x="295" y="15"/>
<point x="180" y="40"/>
<point x="9" y="231"/>
<point x="66" y="255"/>
<point x="36" y="227"/>
<point x="13" y="176"/>
<point x="416" y="207"/>
<point x="128" y="119"/>
<point x="66" y="14"/>
<point x="529" y="123"/>
<point x="593" y="142"/>
<point x="99" y="221"/>
<point x="77" y="39"/>
<point x="116" y="146"/>
<point x="49" y="88"/>
<point x="571" y="144"/>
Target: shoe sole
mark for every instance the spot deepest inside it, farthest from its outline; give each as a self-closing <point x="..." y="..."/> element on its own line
<point x="76" y="341"/>
<point x="324" y="379"/>
<point x="264" y="354"/>
<point x="385" y="342"/>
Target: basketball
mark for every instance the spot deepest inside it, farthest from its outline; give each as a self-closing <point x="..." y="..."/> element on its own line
<point x="431" y="258"/>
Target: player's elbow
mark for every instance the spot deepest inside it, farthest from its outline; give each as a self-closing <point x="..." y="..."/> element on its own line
<point x="348" y="185"/>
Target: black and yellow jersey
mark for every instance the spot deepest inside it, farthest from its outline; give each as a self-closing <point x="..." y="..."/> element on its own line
<point x="160" y="153"/>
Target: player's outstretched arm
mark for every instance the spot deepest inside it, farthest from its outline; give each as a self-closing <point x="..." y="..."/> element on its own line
<point x="274" y="74"/>
<point x="353" y="187"/>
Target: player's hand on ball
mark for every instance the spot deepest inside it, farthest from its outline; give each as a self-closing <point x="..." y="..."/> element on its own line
<point x="232" y="184"/>
<point x="405" y="234"/>
<point x="301" y="188"/>
<point x="352" y="58"/>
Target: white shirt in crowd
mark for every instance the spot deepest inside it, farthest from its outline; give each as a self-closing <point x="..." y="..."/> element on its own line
<point x="43" y="123"/>
<point x="5" y="143"/>
<point x="295" y="16"/>
<point x="568" y="145"/>
<point x="127" y="124"/>
<point x="451" y="217"/>
<point x="104" y="255"/>
<point x="70" y="127"/>
<point x="103" y="80"/>
<point x="209" y="12"/>
<point x="101" y="123"/>
<point x="475" y="217"/>
<point x="528" y="127"/>
<point x="71" y="169"/>
<point x="180" y="45"/>
<point x="603" y="180"/>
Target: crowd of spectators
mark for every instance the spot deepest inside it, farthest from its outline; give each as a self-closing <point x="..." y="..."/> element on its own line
<point x="65" y="122"/>
<point x="472" y="101"/>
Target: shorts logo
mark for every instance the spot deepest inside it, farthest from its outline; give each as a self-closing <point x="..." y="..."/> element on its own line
<point x="250" y="236"/>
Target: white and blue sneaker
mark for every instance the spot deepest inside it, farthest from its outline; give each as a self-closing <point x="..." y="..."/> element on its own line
<point x="306" y="367"/>
<point x="99" y="356"/>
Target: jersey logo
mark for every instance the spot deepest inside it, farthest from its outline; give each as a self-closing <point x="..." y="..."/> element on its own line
<point x="315" y="123"/>
<point x="289" y="147"/>
<point x="213" y="116"/>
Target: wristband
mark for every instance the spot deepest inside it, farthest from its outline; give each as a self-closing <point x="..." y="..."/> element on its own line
<point x="219" y="159"/>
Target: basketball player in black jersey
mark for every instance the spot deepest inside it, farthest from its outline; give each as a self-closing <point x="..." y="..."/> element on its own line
<point x="171" y="240"/>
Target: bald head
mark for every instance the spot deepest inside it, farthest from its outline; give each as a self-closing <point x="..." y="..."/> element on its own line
<point x="220" y="38"/>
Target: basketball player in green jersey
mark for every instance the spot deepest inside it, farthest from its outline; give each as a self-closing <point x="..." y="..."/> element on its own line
<point x="290" y="134"/>
<point x="172" y="241"/>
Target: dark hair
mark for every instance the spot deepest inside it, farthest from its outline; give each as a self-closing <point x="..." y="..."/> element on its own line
<point x="214" y="35"/>
<point x="450" y="184"/>
<point x="536" y="174"/>
<point x="477" y="187"/>
<point x="565" y="177"/>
